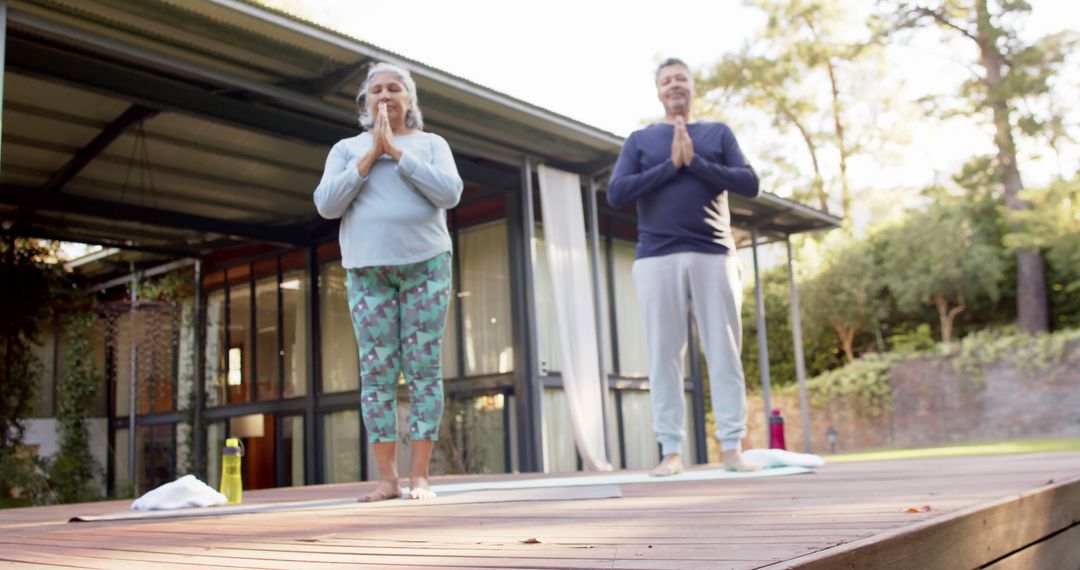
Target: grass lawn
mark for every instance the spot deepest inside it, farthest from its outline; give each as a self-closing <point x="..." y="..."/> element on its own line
<point x="994" y="448"/>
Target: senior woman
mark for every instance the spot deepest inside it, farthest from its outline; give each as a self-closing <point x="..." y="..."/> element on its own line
<point x="391" y="187"/>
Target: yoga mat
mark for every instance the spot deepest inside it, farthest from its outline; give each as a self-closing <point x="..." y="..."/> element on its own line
<point x="618" y="478"/>
<point x="574" y="487"/>
<point x="452" y="498"/>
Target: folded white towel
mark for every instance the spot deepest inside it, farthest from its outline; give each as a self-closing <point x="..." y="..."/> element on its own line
<point x="765" y="458"/>
<point x="185" y="492"/>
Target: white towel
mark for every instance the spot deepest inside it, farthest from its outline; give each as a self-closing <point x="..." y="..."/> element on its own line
<point x="766" y="458"/>
<point x="185" y="492"/>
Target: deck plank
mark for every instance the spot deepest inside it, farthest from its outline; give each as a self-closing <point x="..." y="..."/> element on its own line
<point x="735" y="523"/>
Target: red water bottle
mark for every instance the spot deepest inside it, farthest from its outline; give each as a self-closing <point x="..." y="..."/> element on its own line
<point x="776" y="431"/>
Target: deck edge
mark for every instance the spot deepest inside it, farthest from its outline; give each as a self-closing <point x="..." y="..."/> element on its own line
<point x="967" y="538"/>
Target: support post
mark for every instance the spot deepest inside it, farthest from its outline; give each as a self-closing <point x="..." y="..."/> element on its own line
<point x="528" y="389"/>
<point x="313" y="472"/>
<point x="697" y="382"/>
<point x="132" y="381"/>
<point x="763" y="341"/>
<point x="797" y="339"/>
<point x="198" y="430"/>
<point x="3" y="55"/>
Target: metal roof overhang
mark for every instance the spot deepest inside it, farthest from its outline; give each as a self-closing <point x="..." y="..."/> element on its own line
<point x="176" y="127"/>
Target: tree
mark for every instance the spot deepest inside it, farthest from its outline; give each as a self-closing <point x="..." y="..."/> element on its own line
<point x="1052" y="224"/>
<point x="769" y="84"/>
<point x="819" y="345"/>
<point x="847" y="293"/>
<point x="1010" y="73"/>
<point x="941" y="257"/>
<point x="27" y="286"/>
<point x="799" y="66"/>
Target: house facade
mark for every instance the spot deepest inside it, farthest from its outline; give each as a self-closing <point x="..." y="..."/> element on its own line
<point x="186" y="139"/>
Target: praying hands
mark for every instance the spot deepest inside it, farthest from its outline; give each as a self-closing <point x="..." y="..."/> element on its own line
<point x="382" y="142"/>
<point x="682" y="147"/>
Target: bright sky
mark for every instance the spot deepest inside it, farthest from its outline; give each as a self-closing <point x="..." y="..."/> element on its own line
<point x="593" y="61"/>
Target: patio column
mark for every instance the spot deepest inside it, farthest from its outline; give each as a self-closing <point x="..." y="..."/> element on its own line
<point x="697" y="382"/>
<point x="800" y="361"/>
<point x="763" y="342"/>
<point x="592" y="221"/>
<point x="3" y="56"/>
<point x="133" y="380"/>
<point x="198" y="433"/>
<point x="528" y="388"/>
<point x="313" y="471"/>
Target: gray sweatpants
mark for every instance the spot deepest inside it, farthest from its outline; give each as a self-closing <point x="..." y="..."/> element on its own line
<point x="711" y="285"/>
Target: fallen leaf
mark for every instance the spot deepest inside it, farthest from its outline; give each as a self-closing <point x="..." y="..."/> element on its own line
<point x="530" y="541"/>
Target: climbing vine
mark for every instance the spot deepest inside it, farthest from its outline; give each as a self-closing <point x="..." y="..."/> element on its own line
<point x="1030" y="354"/>
<point x="178" y="288"/>
<point x="74" y="470"/>
<point x="864" y="384"/>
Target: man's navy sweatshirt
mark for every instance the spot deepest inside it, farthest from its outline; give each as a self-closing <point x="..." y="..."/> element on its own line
<point x="682" y="209"/>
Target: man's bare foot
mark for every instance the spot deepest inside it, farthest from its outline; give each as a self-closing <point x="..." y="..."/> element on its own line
<point x="419" y="488"/>
<point x="671" y="464"/>
<point x="386" y="490"/>
<point x="733" y="461"/>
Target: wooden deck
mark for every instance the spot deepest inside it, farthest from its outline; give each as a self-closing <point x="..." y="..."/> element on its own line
<point x="1004" y="512"/>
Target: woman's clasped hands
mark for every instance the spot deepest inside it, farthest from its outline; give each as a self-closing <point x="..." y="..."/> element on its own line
<point x="382" y="142"/>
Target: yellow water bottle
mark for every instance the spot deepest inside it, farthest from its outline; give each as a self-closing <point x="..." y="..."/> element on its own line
<point x="231" y="485"/>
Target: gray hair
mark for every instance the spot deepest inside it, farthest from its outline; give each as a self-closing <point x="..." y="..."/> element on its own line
<point x="668" y="63"/>
<point x="414" y="119"/>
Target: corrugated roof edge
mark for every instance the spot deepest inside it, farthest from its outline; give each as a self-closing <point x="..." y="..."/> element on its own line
<point x="254" y="7"/>
<point x="414" y="64"/>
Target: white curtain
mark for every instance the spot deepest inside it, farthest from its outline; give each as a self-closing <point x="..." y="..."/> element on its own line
<point x="485" y="300"/>
<point x="572" y="288"/>
<point x="337" y="341"/>
<point x="294" y="296"/>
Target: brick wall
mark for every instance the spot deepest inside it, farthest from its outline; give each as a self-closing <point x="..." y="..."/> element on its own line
<point x="936" y="405"/>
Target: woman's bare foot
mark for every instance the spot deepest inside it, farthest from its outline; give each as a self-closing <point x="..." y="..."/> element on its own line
<point x="733" y="461"/>
<point x="419" y="488"/>
<point x="385" y="491"/>
<point x="671" y="464"/>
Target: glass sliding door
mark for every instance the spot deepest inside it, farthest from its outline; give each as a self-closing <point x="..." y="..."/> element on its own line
<point x="294" y="316"/>
<point x="267" y="353"/>
<point x="341" y="446"/>
<point x="340" y="362"/>
<point x="292" y="451"/>
<point x="238" y="349"/>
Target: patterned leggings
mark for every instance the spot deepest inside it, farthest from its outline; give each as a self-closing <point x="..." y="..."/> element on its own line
<point x="398" y="314"/>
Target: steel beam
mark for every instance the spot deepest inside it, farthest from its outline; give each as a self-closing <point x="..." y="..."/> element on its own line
<point x="154" y="91"/>
<point x="26" y="198"/>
